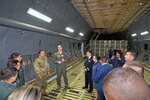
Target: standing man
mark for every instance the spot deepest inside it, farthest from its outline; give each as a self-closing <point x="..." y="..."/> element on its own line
<point x="8" y="77"/>
<point x="99" y="77"/>
<point x="130" y="56"/>
<point x="60" y="58"/>
<point x="88" y="71"/>
<point x="125" y="84"/>
<point x="42" y="71"/>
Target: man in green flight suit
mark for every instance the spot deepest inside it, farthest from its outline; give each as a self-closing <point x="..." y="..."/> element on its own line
<point x="60" y="58"/>
<point x="42" y="71"/>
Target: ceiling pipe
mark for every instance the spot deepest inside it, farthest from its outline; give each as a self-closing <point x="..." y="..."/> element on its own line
<point x="20" y="25"/>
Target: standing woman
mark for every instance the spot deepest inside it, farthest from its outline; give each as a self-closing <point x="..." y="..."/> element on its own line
<point x="117" y="60"/>
<point x="96" y="66"/>
<point x="20" y="77"/>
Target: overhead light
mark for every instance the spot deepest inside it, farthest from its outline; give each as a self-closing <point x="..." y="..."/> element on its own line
<point x="81" y="34"/>
<point x="144" y="33"/>
<point x="141" y="3"/>
<point x="69" y="29"/>
<point x="134" y="34"/>
<point x="39" y="15"/>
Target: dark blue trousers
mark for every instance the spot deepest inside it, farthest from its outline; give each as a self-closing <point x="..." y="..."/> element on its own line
<point x="88" y="80"/>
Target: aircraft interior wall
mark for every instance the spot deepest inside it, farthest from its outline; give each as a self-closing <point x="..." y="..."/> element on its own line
<point x="29" y="43"/>
<point x="141" y="43"/>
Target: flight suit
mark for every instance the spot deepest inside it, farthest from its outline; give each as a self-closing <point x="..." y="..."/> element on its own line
<point x="61" y="68"/>
<point x="88" y="74"/>
<point x="5" y="90"/>
<point x="42" y="72"/>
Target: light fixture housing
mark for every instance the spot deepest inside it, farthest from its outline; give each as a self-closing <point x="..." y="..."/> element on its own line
<point x="134" y="34"/>
<point x="39" y="15"/>
<point x="144" y="33"/>
<point x="70" y="29"/>
<point x="81" y="34"/>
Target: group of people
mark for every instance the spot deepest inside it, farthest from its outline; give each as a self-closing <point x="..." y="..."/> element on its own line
<point x="42" y="69"/>
<point x="117" y="78"/>
<point x="12" y="77"/>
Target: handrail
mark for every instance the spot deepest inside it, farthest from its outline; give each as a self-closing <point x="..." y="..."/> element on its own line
<point x="146" y="65"/>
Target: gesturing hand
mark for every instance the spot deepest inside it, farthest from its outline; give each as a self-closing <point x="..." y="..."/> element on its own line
<point x="59" y="62"/>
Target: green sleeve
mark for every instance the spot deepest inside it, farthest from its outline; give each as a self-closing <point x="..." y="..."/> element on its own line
<point x="20" y="78"/>
<point x="55" y="58"/>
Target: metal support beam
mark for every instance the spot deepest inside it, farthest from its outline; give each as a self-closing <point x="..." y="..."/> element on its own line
<point x="20" y="25"/>
<point x="85" y="3"/>
<point x="97" y="36"/>
<point x="93" y="36"/>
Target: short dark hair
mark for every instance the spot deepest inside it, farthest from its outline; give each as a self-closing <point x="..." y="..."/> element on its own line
<point x="119" y="79"/>
<point x="132" y="54"/>
<point x="119" y="51"/>
<point x="90" y="51"/>
<point x="104" y="59"/>
<point x="12" y="63"/>
<point x="7" y="73"/>
<point x="14" y="55"/>
<point x="97" y="57"/>
<point x="41" y="51"/>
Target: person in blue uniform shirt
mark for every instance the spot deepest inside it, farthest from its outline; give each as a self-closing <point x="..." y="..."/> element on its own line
<point x="8" y="77"/>
<point x="100" y="75"/>
<point x="110" y="52"/>
<point x="88" y="71"/>
<point x="118" y="60"/>
<point x="96" y="66"/>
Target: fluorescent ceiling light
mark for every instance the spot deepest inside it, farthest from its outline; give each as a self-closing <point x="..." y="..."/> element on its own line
<point x="141" y="3"/>
<point x="134" y="34"/>
<point x="39" y="15"/>
<point x="144" y="33"/>
<point x="81" y="34"/>
<point x="69" y="29"/>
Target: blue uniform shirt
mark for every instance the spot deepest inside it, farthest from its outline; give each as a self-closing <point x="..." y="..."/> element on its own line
<point x="89" y="64"/>
<point x="117" y="63"/>
<point x="101" y="73"/>
<point x="96" y="66"/>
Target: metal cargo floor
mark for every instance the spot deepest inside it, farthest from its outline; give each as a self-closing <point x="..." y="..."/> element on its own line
<point x="76" y="81"/>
